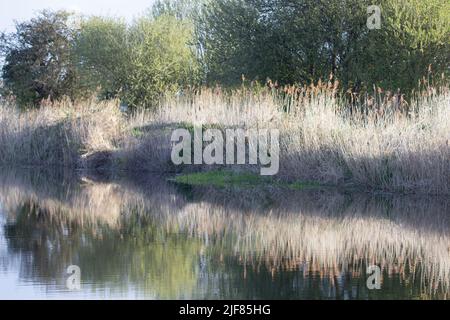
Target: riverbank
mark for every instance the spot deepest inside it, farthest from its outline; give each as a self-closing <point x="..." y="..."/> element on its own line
<point x="372" y="145"/>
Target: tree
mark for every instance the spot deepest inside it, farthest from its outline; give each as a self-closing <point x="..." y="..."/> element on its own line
<point x="137" y="63"/>
<point x="38" y="59"/>
<point x="414" y="42"/>
<point x="103" y="55"/>
<point x="163" y="58"/>
<point x="307" y="40"/>
<point x="181" y="9"/>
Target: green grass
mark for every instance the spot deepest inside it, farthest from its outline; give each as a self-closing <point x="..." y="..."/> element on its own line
<point x="137" y="132"/>
<point x="223" y="179"/>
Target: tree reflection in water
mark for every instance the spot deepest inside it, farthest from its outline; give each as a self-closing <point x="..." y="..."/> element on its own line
<point x="154" y="239"/>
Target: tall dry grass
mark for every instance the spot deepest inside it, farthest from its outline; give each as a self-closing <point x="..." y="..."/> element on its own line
<point x="377" y="142"/>
<point x="59" y="134"/>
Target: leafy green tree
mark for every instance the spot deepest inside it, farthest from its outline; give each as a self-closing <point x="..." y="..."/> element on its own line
<point x="190" y="12"/>
<point x="103" y="55"/>
<point x="413" y="42"/>
<point x="232" y="35"/>
<point x="163" y="59"/>
<point x="307" y="40"/>
<point x="38" y="59"/>
<point x="138" y="63"/>
<point x="181" y="9"/>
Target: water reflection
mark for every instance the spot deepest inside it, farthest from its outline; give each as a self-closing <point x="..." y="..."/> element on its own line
<point x="146" y="238"/>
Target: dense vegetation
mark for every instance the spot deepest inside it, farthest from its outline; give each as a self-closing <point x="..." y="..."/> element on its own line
<point x="38" y="62"/>
<point x="187" y="43"/>
<point x="307" y="40"/>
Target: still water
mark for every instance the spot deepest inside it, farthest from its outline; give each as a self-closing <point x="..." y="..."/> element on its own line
<point x="145" y="238"/>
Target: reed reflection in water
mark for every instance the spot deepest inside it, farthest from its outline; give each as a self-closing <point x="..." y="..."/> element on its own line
<point x="147" y="238"/>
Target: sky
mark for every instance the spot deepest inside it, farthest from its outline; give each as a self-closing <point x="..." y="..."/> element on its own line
<point x="21" y="10"/>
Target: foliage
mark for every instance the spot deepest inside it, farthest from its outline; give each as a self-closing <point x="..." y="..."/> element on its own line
<point x="103" y="54"/>
<point x="307" y="40"/>
<point x="413" y="43"/>
<point x="183" y="43"/>
<point x="163" y="60"/>
<point x="138" y="63"/>
<point x="181" y="9"/>
<point x="38" y="61"/>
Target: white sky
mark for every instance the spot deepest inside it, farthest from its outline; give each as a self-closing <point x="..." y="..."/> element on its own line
<point x="21" y="10"/>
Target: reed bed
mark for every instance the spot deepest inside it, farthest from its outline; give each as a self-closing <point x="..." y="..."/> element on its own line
<point x="378" y="142"/>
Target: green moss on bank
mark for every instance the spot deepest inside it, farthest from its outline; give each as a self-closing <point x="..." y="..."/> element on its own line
<point x="223" y="179"/>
